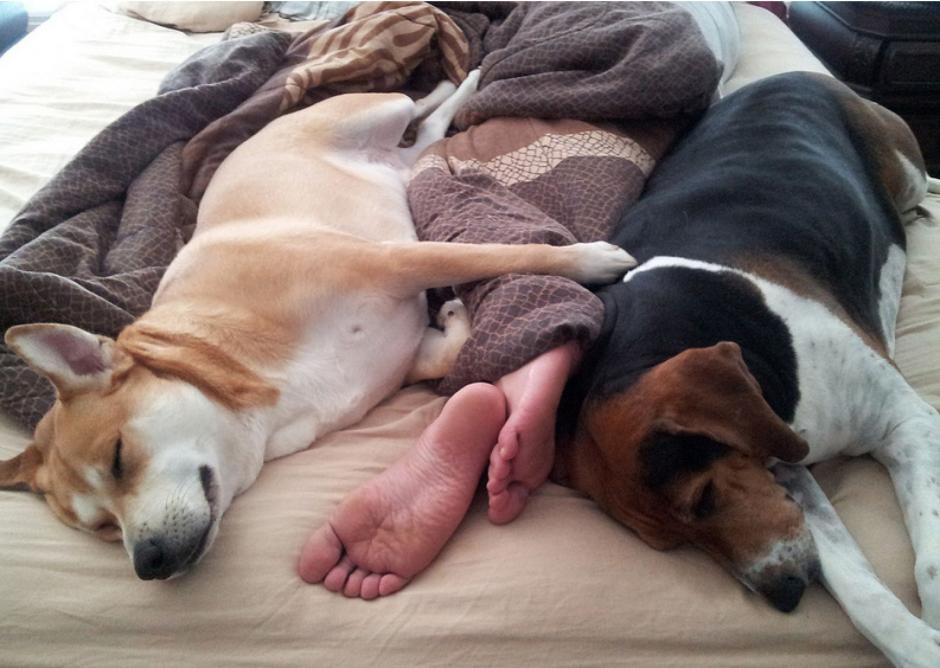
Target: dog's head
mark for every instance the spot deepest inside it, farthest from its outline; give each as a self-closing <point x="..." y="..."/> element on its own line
<point x="126" y="452"/>
<point x="681" y="457"/>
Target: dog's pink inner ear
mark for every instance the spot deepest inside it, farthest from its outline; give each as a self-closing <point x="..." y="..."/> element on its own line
<point x="83" y="357"/>
<point x="73" y="359"/>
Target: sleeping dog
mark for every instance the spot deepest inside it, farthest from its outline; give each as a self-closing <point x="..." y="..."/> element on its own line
<point x="758" y="329"/>
<point x="297" y="306"/>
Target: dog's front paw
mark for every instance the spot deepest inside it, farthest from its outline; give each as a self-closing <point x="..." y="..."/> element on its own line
<point x="914" y="648"/>
<point x="601" y="262"/>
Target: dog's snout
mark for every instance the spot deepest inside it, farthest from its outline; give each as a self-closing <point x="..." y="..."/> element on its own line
<point x="785" y="571"/>
<point x="784" y="592"/>
<point x="177" y="530"/>
<point x="152" y="561"/>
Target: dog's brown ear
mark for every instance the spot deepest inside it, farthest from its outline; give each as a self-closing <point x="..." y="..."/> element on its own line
<point x="74" y="360"/>
<point x="717" y="396"/>
<point x="23" y="472"/>
<point x="199" y="362"/>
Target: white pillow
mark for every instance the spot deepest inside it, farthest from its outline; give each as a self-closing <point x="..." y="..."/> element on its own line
<point x="190" y="16"/>
<point x="719" y="27"/>
<point x="768" y="47"/>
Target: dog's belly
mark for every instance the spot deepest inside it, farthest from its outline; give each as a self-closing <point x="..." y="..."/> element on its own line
<point x="344" y="366"/>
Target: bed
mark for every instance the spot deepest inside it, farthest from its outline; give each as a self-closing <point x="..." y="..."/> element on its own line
<point x="563" y="585"/>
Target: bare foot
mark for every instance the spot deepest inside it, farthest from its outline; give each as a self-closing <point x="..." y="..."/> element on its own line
<point x="389" y="529"/>
<point x="523" y="456"/>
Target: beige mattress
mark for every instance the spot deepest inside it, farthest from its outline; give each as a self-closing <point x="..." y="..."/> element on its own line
<point x="563" y="585"/>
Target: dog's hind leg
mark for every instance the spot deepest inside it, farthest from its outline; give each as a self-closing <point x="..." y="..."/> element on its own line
<point x="435" y="126"/>
<point x="433" y="100"/>
<point x="874" y="610"/>
<point x="910" y="450"/>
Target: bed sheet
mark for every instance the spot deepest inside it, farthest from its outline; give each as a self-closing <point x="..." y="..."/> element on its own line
<point x="563" y="585"/>
<point x="67" y="80"/>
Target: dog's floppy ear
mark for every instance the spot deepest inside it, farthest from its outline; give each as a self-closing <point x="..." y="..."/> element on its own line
<point x="719" y="398"/>
<point x="73" y="359"/>
<point x="23" y="472"/>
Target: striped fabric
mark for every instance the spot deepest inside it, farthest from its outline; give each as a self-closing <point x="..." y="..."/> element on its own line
<point x="375" y="49"/>
<point x="376" y="46"/>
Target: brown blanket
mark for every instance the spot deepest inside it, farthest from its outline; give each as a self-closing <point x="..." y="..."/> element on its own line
<point x="90" y="247"/>
<point x="637" y="71"/>
<point x="377" y="46"/>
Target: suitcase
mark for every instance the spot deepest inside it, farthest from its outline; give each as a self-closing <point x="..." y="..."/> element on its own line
<point x="888" y="52"/>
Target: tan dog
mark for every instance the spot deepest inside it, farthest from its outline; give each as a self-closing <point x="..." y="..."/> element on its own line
<point x="297" y="306"/>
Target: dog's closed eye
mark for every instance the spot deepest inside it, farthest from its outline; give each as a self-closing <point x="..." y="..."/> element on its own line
<point x="117" y="470"/>
<point x="705" y="504"/>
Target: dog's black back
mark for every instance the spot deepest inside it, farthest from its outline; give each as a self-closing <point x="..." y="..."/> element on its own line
<point x="773" y="172"/>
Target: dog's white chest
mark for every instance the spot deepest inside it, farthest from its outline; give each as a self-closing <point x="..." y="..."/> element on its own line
<point x="844" y="384"/>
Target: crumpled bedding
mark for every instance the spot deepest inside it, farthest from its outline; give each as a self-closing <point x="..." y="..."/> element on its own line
<point x="622" y="79"/>
<point x="90" y="247"/>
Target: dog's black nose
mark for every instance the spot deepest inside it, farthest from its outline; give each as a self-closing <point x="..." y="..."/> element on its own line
<point x="785" y="592"/>
<point x="151" y="561"/>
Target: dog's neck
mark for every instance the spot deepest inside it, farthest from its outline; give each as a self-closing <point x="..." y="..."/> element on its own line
<point x="635" y="308"/>
<point x="207" y="351"/>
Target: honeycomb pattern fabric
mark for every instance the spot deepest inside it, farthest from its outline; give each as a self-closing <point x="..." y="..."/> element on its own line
<point x="592" y="61"/>
<point x="622" y="79"/>
<point x="548" y="152"/>
<point x="559" y="182"/>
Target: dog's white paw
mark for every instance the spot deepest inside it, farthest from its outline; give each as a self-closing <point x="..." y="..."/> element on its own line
<point x="472" y="81"/>
<point x="601" y="262"/>
<point x="468" y="87"/>
<point x="914" y="648"/>
<point x="453" y="314"/>
<point x="455" y="321"/>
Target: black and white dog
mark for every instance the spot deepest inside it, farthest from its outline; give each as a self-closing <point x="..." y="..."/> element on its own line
<point x="759" y="329"/>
